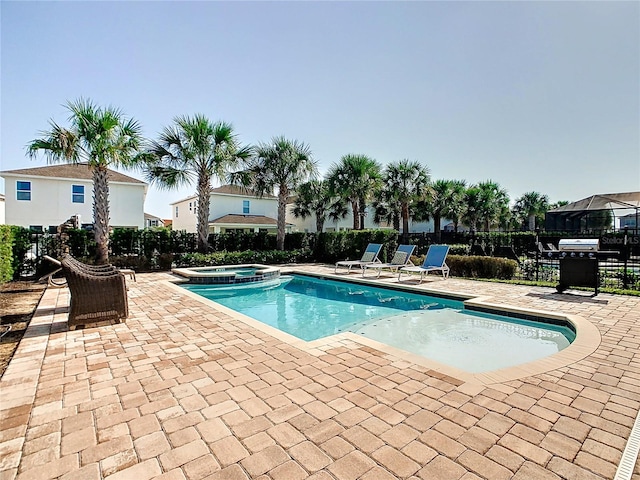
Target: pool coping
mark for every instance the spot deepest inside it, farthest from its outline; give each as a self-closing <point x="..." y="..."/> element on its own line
<point x="588" y="337"/>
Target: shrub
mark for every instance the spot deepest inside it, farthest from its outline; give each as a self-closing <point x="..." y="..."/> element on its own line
<point x="477" y="267"/>
<point x="15" y="242"/>
<point x="482" y="267"/>
<point x="350" y="244"/>
<point x="6" y="253"/>
<point x="237" y="258"/>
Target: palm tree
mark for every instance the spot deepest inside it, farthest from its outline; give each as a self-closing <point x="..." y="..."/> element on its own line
<point x="386" y="209"/>
<point x="354" y="179"/>
<point x="455" y="205"/>
<point x="442" y="196"/>
<point x="492" y="199"/>
<point x="283" y="165"/>
<point x="314" y="198"/>
<point x="194" y="150"/>
<point x="473" y="207"/>
<point x="531" y="205"/>
<point x="408" y="182"/>
<point x="102" y="138"/>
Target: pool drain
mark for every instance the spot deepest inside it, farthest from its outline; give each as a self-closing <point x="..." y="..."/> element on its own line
<point x="630" y="454"/>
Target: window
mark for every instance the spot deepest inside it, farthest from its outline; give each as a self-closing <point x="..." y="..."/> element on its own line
<point x="245" y="206"/>
<point x="77" y="193"/>
<point x="24" y="191"/>
<point x="176" y="211"/>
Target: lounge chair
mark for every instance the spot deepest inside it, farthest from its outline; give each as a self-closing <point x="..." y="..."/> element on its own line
<point x="369" y="257"/>
<point x="95" y="296"/>
<point x="402" y="258"/>
<point x="433" y="262"/>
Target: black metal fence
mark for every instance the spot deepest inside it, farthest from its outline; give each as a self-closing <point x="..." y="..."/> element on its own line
<point x="619" y="270"/>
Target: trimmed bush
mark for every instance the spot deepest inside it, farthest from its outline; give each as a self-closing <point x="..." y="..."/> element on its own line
<point x="482" y="267"/>
<point x="237" y="258"/>
<point x="477" y="267"/>
<point x="6" y="253"/>
<point x="350" y="244"/>
<point x="15" y="242"/>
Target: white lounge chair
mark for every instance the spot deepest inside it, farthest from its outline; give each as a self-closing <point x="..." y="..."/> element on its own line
<point x="433" y="262"/>
<point x="402" y="258"/>
<point x="370" y="256"/>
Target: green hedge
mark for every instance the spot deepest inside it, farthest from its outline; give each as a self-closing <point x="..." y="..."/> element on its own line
<point x="237" y="258"/>
<point x="6" y="253"/>
<point x="477" y="267"/>
<point x="482" y="267"/>
<point x="350" y="244"/>
<point x="15" y="242"/>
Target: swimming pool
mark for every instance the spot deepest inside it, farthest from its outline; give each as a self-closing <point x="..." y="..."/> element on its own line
<point x="436" y="328"/>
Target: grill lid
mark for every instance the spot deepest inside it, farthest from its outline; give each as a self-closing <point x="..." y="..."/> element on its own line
<point x="579" y="245"/>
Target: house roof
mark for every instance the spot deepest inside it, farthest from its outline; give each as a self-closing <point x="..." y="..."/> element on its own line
<point x="235" y="190"/>
<point x="238" y="219"/>
<point x="79" y="171"/>
<point x="229" y="190"/>
<point x="604" y="201"/>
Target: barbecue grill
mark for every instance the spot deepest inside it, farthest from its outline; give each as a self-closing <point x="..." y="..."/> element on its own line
<point x="579" y="262"/>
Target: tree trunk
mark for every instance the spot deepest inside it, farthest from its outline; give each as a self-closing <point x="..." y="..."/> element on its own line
<point x="405" y="221"/>
<point x="486" y="225"/>
<point x="436" y="227"/>
<point x="361" y="211"/>
<point x="282" y="211"/>
<point x="356" y="215"/>
<point x="319" y="222"/>
<point x="204" y="195"/>
<point x="101" y="213"/>
<point x="532" y="223"/>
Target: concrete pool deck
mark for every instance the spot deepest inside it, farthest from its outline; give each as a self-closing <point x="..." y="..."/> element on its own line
<point x="184" y="390"/>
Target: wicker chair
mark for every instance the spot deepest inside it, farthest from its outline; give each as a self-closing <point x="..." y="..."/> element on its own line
<point x="96" y="296"/>
<point x="89" y="268"/>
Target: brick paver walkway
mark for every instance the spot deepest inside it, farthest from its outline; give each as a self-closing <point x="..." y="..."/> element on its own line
<point x="184" y="391"/>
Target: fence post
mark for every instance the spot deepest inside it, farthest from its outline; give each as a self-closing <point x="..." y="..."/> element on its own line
<point x="537" y="252"/>
<point x="627" y="252"/>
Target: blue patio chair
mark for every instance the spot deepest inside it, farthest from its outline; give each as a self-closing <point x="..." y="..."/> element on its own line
<point x="369" y="257"/>
<point x="402" y="258"/>
<point x="433" y="262"/>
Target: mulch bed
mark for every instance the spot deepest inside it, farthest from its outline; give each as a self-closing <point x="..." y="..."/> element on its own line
<point x="18" y="302"/>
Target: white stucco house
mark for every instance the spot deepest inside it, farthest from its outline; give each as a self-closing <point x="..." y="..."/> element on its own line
<point x="44" y="197"/>
<point x="231" y="209"/>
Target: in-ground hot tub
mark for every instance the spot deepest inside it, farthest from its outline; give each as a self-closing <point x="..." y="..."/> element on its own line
<point x="228" y="274"/>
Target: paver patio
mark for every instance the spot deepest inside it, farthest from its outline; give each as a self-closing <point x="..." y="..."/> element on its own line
<point x="186" y="391"/>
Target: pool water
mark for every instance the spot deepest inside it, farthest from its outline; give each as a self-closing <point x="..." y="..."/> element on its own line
<point x="435" y="328"/>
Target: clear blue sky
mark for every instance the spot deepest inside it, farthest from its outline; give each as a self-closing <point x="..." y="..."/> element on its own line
<point x="540" y="96"/>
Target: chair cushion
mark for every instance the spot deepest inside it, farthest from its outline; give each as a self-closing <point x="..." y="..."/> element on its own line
<point x="368" y="256"/>
<point x="400" y="258"/>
